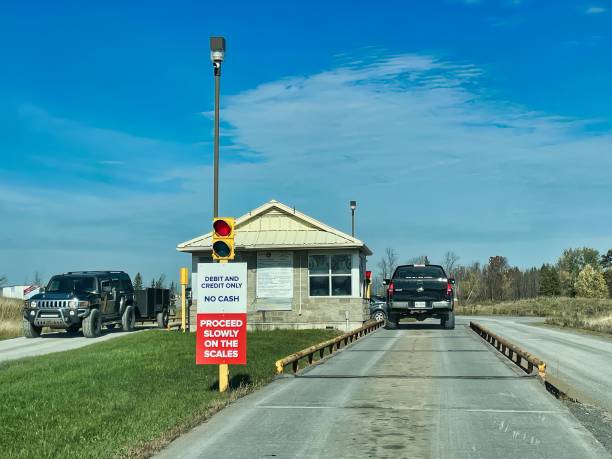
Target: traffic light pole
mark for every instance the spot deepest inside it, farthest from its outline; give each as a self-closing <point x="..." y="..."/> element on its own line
<point x="217" y="68"/>
<point x="223" y="367"/>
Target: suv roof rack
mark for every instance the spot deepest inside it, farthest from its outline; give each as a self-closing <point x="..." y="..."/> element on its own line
<point x="95" y="272"/>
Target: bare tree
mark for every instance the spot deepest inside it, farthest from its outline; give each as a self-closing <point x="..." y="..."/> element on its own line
<point x="388" y="263"/>
<point x="420" y="260"/>
<point x="450" y="261"/>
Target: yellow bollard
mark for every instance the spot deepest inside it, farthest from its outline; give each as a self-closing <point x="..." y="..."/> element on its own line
<point x="184" y="282"/>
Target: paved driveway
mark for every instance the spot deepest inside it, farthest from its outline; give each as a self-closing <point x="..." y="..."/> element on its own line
<point x="418" y="392"/>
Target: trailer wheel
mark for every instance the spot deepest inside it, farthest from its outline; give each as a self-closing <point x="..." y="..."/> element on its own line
<point x="163" y="318"/>
<point x="128" y="319"/>
<point x="92" y="325"/>
<point x="30" y="330"/>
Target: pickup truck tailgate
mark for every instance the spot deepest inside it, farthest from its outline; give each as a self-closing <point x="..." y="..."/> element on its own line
<point x="419" y="289"/>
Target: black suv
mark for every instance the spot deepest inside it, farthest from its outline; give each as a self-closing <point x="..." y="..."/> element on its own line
<point x="87" y="299"/>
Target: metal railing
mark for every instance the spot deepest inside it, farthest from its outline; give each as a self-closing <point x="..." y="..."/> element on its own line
<point x="332" y="345"/>
<point x="511" y="350"/>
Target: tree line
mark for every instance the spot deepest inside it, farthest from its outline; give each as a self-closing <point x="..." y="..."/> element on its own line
<point x="579" y="272"/>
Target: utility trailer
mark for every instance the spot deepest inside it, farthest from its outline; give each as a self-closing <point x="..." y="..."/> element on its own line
<point x="153" y="304"/>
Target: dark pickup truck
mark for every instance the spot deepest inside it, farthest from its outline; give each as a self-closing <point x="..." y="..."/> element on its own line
<point x="422" y="292"/>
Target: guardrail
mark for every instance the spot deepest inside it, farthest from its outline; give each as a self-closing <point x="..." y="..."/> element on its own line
<point x="332" y="345"/>
<point x="511" y="350"/>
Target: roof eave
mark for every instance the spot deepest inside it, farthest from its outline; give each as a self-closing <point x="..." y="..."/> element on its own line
<point x="362" y="248"/>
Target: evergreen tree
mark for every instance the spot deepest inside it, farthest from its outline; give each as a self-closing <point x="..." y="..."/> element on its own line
<point x="549" y="281"/>
<point x="606" y="260"/>
<point x="591" y="283"/>
<point x="138" y="281"/>
<point x="160" y="282"/>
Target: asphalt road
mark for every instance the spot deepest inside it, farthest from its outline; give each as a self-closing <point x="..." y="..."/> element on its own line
<point x="17" y="348"/>
<point x="418" y="392"/>
<point x="582" y="360"/>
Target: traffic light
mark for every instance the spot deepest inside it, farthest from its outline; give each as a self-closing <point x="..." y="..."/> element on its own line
<point x="223" y="238"/>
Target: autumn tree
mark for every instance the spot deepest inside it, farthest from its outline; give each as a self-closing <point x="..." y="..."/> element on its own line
<point x="571" y="263"/>
<point x="494" y="276"/>
<point x="591" y="283"/>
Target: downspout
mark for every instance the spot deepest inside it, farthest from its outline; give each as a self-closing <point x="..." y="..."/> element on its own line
<point x="300" y="276"/>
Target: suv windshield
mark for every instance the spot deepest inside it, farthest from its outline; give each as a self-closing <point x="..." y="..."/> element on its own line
<point x="71" y="284"/>
<point x="419" y="272"/>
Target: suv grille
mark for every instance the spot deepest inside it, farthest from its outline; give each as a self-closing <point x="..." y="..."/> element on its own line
<point x="53" y="303"/>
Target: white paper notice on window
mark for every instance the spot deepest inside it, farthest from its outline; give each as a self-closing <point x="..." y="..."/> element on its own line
<point x="275" y="274"/>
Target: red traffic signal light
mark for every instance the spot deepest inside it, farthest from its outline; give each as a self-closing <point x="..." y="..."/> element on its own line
<point x="222" y="228"/>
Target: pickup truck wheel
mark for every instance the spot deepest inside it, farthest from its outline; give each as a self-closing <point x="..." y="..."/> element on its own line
<point x="449" y="321"/>
<point x="92" y="325"/>
<point x="379" y="315"/>
<point x="30" y="330"/>
<point x="128" y="319"/>
<point x="392" y="322"/>
<point x="163" y="318"/>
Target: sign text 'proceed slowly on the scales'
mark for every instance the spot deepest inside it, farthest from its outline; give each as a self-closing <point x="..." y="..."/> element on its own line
<point x="221" y="318"/>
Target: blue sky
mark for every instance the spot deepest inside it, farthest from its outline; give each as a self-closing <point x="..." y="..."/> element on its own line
<point x="483" y="127"/>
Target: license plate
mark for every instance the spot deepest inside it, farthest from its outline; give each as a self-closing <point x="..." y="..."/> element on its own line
<point x="420" y="304"/>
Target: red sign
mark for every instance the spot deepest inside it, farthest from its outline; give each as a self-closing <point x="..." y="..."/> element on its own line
<point x="221" y="338"/>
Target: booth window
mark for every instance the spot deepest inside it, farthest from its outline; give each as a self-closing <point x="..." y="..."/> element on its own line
<point x="330" y="275"/>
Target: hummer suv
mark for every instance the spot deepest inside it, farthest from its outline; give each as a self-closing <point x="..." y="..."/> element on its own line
<point x="87" y="299"/>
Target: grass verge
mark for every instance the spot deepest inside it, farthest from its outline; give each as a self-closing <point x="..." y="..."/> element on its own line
<point x="126" y="397"/>
<point x="582" y="313"/>
<point x="10" y="317"/>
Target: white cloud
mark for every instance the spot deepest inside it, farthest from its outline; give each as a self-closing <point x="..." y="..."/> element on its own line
<point x="595" y="10"/>
<point x="416" y="140"/>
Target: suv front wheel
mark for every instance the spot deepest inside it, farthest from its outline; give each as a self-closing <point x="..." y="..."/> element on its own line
<point x="92" y="325"/>
<point x="30" y="330"/>
<point x="128" y="319"/>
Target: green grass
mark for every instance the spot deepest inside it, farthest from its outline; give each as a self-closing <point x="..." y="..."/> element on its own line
<point x="127" y="397"/>
<point x="583" y="313"/>
<point x="10" y="317"/>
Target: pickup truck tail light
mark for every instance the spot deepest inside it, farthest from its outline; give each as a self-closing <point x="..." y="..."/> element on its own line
<point x="449" y="289"/>
<point x="391" y="289"/>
